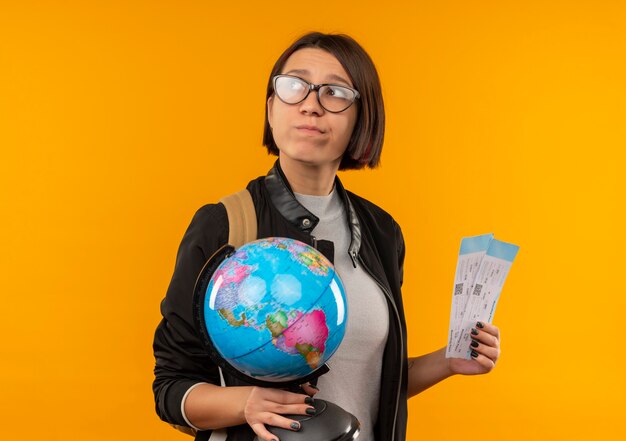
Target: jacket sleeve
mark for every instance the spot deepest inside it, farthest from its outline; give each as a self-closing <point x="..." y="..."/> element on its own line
<point x="181" y="360"/>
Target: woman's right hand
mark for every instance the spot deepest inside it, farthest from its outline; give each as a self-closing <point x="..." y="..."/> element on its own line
<point x="266" y="406"/>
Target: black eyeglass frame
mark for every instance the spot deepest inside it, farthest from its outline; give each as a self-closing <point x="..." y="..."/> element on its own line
<point x="316" y="88"/>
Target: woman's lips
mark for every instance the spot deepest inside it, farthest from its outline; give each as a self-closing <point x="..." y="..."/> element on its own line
<point x="309" y="129"/>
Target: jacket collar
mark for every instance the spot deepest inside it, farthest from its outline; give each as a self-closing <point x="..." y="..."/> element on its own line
<point x="284" y="200"/>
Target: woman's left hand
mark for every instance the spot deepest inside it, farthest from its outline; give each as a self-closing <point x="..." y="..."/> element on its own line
<point x="486" y="347"/>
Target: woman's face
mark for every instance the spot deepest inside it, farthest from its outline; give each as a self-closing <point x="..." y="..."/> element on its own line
<point x="305" y="132"/>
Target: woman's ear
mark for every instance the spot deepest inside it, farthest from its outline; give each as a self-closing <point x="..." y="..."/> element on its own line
<point x="270" y="101"/>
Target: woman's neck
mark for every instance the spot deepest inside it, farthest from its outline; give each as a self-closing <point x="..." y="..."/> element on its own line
<point x="309" y="179"/>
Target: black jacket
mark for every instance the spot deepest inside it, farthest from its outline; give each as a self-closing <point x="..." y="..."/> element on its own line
<point x="376" y="243"/>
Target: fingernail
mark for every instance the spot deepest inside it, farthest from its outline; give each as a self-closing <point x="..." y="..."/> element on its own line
<point x="295" y="426"/>
<point x="311" y="411"/>
<point x="308" y="400"/>
<point x="474" y="344"/>
<point x="480" y="324"/>
<point x="474" y="331"/>
<point x="474" y="353"/>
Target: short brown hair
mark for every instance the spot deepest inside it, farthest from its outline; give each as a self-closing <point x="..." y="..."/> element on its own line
<point x="366" y="142"/>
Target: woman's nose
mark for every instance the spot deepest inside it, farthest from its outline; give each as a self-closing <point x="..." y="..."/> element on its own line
<point x="311" y="104"/>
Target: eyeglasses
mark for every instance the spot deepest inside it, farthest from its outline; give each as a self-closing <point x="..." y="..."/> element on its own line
<point x="332" y="97"/>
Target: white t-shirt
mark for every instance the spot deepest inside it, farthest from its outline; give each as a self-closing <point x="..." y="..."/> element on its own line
<point x="355" y="369"/>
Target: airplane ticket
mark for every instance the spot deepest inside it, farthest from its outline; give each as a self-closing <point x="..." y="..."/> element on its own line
<point x="482" y="268"/>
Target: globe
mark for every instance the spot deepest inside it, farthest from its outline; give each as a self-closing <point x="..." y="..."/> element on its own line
<point x="274" y="310"/>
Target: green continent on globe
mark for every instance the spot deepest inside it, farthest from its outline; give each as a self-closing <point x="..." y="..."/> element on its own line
<point x="276" y="323"/>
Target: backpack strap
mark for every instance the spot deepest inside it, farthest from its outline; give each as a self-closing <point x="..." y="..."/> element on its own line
<point x="241" y="218"/>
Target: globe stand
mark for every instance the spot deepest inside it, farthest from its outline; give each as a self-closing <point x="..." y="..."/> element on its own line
<point x="330" y="423"/>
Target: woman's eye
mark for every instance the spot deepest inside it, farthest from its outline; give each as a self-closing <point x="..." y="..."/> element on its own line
<point x="337" y="92"/>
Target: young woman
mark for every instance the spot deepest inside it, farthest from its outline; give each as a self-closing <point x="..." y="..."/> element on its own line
<point x="324" y="113"/>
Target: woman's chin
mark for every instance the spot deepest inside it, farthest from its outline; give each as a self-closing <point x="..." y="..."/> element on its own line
<point x="309" y="160"/>
<point x="305" y="154"/>
<point x="309" y="155"/>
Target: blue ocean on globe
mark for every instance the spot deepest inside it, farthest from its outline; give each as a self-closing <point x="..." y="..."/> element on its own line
<point x="275" y="310"/>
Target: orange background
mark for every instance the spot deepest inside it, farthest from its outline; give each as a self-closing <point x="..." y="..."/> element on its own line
<point x="119" y="119"/>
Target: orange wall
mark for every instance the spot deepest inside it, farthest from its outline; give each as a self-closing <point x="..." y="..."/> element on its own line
<point x="117" y="122"/>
